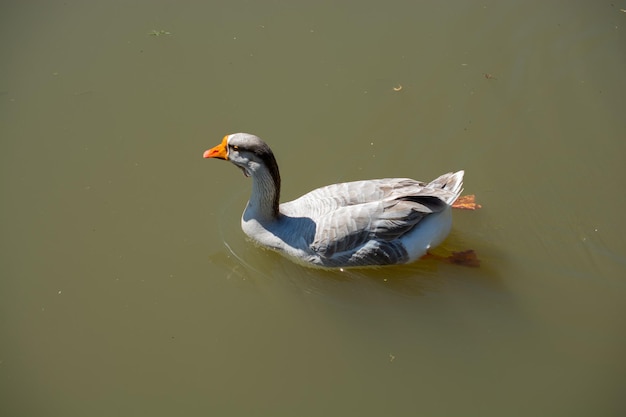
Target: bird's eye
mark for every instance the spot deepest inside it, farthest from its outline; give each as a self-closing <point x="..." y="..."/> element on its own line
<point x="235" y="148"/>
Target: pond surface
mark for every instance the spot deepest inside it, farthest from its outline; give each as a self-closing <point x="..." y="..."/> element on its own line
<point x="128" y="288"/>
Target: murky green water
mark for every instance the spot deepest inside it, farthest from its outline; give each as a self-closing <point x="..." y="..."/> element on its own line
<point x="128" y="288"/>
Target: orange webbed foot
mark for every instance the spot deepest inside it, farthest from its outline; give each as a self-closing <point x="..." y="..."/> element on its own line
<point x="466" y="202"/>
<point x="463" y="258"/>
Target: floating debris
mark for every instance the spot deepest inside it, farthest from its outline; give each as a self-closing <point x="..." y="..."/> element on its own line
<point x="159" y="32"/>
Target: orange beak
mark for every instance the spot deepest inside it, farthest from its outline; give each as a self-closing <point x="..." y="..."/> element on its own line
<point x="220" y="151"/>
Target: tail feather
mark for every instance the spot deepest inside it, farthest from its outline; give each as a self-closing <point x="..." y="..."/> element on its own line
<point x="452" y="182"/>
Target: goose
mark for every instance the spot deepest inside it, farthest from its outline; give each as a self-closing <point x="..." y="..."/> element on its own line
<point x="367" y="223"/>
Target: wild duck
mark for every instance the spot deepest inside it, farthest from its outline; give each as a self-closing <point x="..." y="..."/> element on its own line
<point x="353" y="224"/>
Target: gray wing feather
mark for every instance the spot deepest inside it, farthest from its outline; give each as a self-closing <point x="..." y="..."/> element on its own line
<point x="359" y="222"/>
<point x="348" y="228"/>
